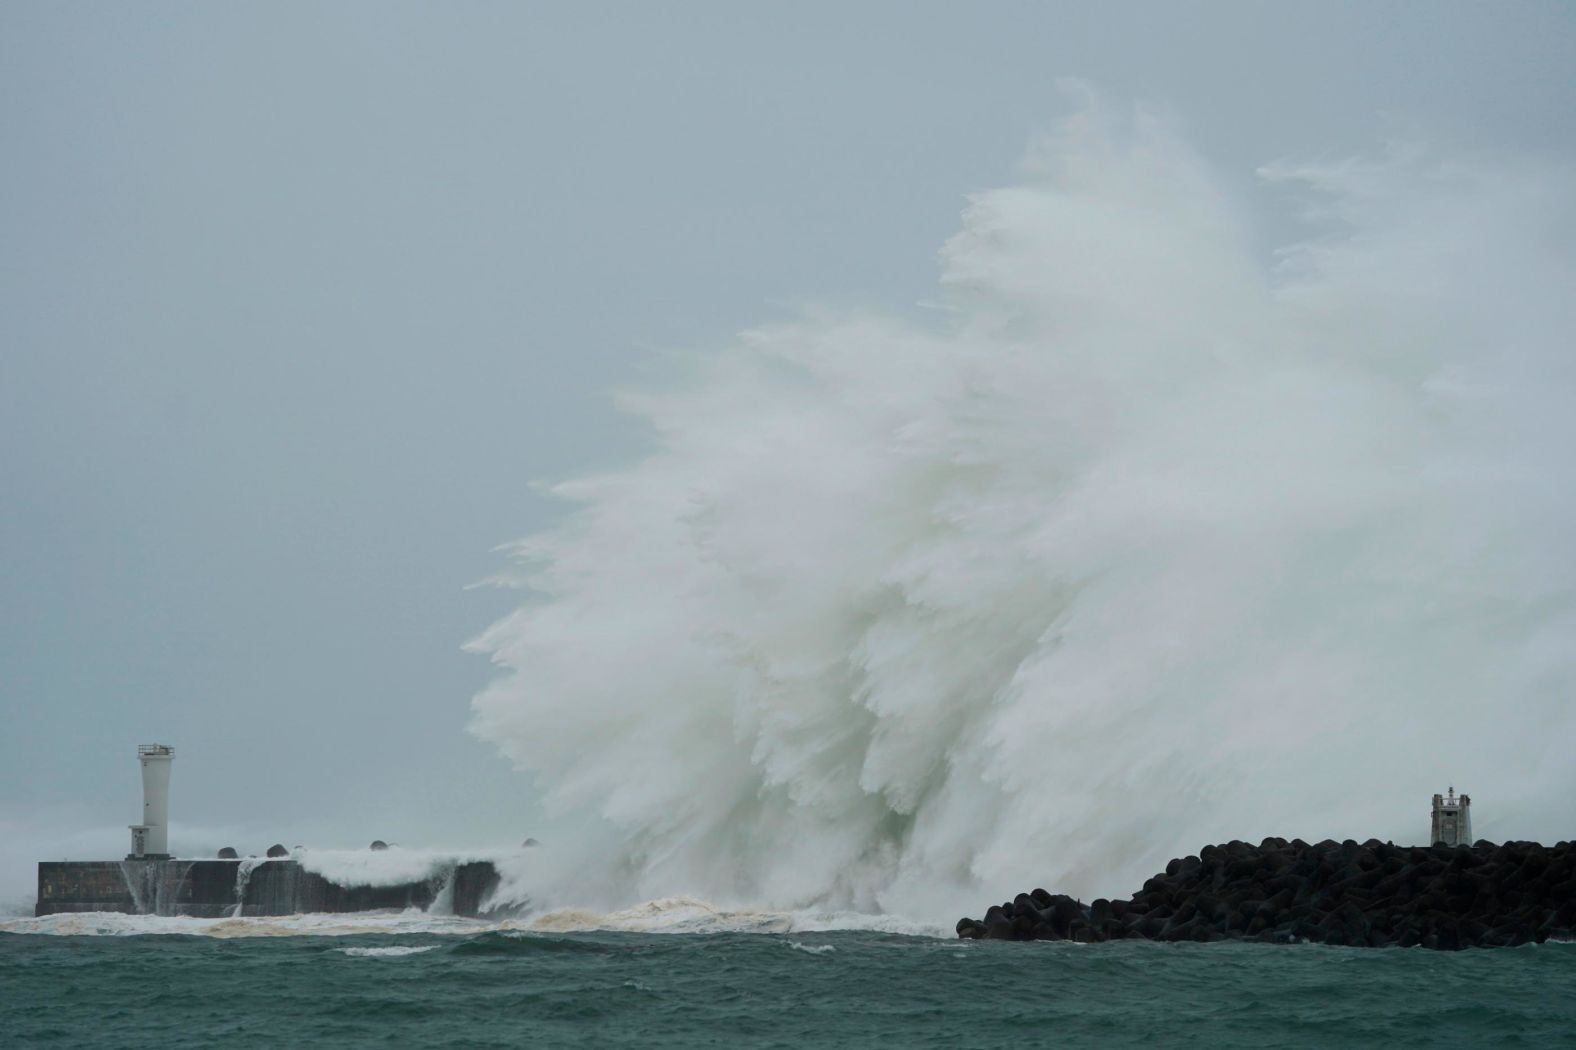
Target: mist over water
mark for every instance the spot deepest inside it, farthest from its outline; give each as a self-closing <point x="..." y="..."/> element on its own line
<point x="1150" y="539"/>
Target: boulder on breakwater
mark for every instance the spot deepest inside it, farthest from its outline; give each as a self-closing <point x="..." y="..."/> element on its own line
<point x="1369" y="894"/>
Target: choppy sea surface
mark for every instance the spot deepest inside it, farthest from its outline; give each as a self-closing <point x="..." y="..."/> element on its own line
<point x="690" y="980"/>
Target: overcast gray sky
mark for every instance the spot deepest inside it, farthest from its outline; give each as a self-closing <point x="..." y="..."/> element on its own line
<point x="299" y="300"/>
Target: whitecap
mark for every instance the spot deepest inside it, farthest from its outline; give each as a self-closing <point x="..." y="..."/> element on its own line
<point x="392" y="952"/>
<point x="813" y="949"/>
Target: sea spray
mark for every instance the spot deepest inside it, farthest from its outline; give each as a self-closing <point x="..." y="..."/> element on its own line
<point x="1148" y="543"/>
<point x="498" y="881"/>
<point x="389" y="867"/>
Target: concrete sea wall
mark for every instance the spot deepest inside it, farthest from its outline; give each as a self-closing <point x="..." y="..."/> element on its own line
<point x="214" y="888"/>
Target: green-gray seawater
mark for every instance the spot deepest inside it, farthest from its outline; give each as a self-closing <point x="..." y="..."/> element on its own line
<point x="843" y="989"/>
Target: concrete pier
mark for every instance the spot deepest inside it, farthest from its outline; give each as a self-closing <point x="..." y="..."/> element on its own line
<point x="213" y="888"/>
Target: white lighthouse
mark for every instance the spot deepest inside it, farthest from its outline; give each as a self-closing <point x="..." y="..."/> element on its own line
<point x="1452" y="824"/>
<point x="150" y="840"/>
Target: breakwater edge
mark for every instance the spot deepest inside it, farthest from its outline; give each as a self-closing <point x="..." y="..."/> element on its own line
<point x="1369" y="894"/>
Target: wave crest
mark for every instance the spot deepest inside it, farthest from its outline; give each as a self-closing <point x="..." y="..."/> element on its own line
<point x="1149" y="543"/>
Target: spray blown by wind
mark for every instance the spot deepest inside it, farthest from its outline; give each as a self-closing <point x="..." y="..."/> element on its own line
<point x="1154" y="539"/>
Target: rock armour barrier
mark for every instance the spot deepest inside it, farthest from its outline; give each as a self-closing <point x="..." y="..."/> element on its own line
<point x="1370" y="894"/>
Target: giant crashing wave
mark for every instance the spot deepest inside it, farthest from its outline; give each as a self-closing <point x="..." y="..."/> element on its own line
<point x="1154" y="538"/>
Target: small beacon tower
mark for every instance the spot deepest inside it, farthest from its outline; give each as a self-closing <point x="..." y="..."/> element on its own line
<point x="150" y="840"/>
<point x="1452" y="823"/>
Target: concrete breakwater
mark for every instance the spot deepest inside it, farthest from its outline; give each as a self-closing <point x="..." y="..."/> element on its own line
<point x="246" y="887"/>
<point x="1371" y="894"/>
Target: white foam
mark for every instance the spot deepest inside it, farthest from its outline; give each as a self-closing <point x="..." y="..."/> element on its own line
<point x="666" y="915"/>
<point x="393" y="952"/>
<point x="813" y="949"/>
<point x="114" y="924"/>
<point x="831" y="922"/>
<point x="393" y="866"/>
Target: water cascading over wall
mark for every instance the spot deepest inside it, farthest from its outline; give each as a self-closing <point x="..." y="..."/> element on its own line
<point x="156" y="887"/>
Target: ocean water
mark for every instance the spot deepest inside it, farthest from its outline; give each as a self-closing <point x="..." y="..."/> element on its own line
<point x="501" y="987"/>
